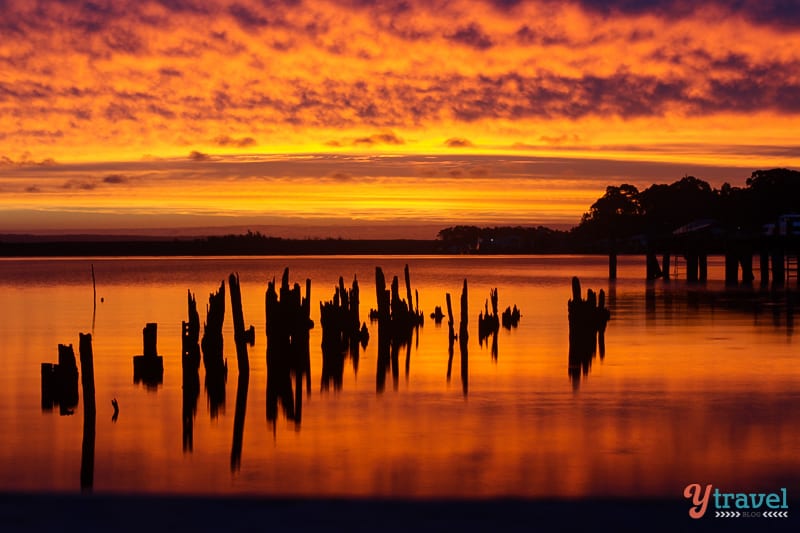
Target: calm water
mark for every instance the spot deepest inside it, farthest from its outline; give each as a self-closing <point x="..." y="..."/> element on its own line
<point x="693" y="387"/>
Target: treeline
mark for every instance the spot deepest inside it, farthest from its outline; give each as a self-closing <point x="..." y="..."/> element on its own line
<point x="627" y="219"/>
<point x="251" y="243"/>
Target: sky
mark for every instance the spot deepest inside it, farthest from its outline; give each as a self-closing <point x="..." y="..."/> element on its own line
<point x="379" y="118"/>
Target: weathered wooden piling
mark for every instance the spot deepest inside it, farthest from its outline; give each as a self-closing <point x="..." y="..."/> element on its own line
<point x="692" y="267"/>
<point x="89" y="411"/>
<point x="763" y="266"/>
<point x="190" y="363"/>
<point x="702" y="267"/>
<point x="488" y="322"/>
<point x="397" y="321"/>
<point x="778" y="267"/>
<point x="288" y="322"/>
<point x="665" y="260"/>
<point x="241" y="337"/>
<point x="342" y="333"/>
<point x="149" y="367"/>
<point x="212" y="342"/>
<point x="653" y="267"/>
<point x="510" y="317"/>
<point x="746" y="262"/>
<point x="463" y="337"/>
<point x="190" y="337"/>
<point x="731" y="269"/>
<point x="60" y="381"/>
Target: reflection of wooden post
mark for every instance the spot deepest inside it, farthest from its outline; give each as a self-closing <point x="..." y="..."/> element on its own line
<point x="653" y="268"/>
<point x="238" y="419"/>
<point x="89" y="411"/>
<point x="612" y="265"/>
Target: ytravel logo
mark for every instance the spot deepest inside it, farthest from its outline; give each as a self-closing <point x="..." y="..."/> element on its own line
<point x="736" y="504"/>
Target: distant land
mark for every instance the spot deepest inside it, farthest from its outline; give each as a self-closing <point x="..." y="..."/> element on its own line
<point x="245" y="244"/>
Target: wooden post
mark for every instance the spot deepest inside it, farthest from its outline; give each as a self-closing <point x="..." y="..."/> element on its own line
<point x="239" y="335"/>
<point x="463" y="337"/>
<point x="462" y="328"/>
<point x="691" y="266"/>
<point x="746" y="260"/>
<point x="665" y="266"/>
<point x="763" y="267"/>
<point x="238" y="419"/>
<point x="778" y="267"/>
<point x="731" y="269"/>
<point x="703" y="266"/>
<point x="653" y="268"/>
<point x="408" y="289"/>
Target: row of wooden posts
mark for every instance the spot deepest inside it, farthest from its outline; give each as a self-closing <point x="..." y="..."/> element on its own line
<point x="738" y="266"/>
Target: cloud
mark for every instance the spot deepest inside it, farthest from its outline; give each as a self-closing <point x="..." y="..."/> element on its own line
<point x="32" y="189"/>
<point x="379" y="138"/>
<point x="244" y="142"/>
<point x="458" y="142"/>
<point x="559" y="139"/>
<point x="115" y="179"/>
<point x="26" y="161"/>
<point x="199" y="156"/>
<point x="74" y="184"/>
<point x="247" y="18"/>
<point x="472" y="35"/>
<point x="341" y="176"/>
<point x="170" y="72"/>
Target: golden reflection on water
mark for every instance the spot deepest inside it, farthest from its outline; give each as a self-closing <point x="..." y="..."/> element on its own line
<point x="692" y="388"/>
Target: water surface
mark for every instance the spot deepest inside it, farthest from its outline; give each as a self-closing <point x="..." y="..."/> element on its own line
<point x="695" y="386"/>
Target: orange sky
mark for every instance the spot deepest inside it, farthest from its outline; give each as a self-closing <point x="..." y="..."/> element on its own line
<point x="331" y="114"/>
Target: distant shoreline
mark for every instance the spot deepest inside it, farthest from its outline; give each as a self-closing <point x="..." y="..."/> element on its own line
<point x="218" y="247"/>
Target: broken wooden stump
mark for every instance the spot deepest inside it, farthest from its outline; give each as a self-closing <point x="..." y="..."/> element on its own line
<point x="190" y="337"/>
<point x="190" y="362"/>
<point x="215" y="364"/>
<point x="397" y="321"/>
<point x="342" y="333"/>
<point x="510" y="317"/>
<point x="488" y="322"/>
<point x="288" y="321"/>
<point x="463" y="337"/>
<point x="149" y="367"/>
<point x="437" y="315"/>
<point x="60" y="382"/>
<point x="212" y="342"/>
